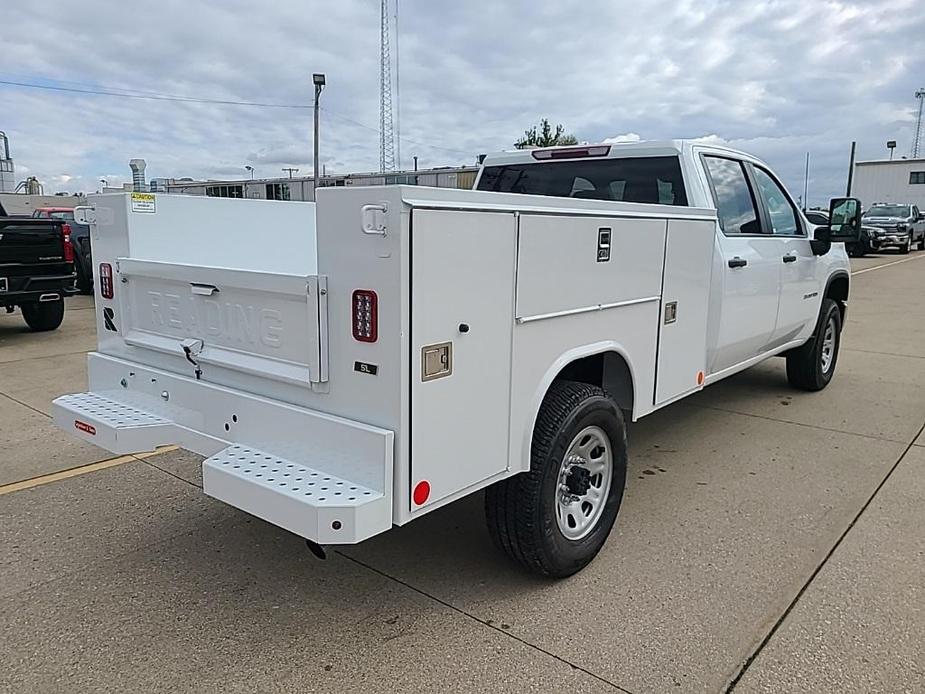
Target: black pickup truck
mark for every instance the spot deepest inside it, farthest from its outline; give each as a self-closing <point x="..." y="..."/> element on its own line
<point x="36" y="268"/>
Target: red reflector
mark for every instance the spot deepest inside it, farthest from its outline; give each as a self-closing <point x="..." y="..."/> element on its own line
<point x="365" y="315"/>
<point x="572" y="152"/>
<point x="68" y="246"/>
<point x="421" y="492"/>
<point x="106" y="290"/>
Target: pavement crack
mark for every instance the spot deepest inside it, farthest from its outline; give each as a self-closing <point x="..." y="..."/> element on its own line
<point x="20" y="402"/>
<point x="885" y="354"/>
<point x="796" y="599"/>
<point x="483" y="622"/>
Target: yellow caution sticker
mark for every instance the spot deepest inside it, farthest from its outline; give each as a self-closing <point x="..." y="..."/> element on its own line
<point x="144" y="202"/>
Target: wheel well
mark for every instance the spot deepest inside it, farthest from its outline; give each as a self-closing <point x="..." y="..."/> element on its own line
<point x="609" y="371"/>
<point x="837" y="290"/>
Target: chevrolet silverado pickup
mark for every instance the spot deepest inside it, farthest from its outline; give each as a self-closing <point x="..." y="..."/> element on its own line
<point x="36" y="269"/>
<point x="397" y="348"/>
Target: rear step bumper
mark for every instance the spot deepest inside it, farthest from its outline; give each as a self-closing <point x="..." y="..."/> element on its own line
<point x="325" y="478"/>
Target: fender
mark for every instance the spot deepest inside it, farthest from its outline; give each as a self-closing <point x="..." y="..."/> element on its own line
<point x="554" y="370"/>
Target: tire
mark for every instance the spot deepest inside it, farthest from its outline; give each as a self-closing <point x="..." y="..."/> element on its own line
<point x="526" y="513"/>
<point x="905" y="248"/>
<point x="43" y="316"/>
<point x="922" y="243"/>
<point x="812" y="365"/>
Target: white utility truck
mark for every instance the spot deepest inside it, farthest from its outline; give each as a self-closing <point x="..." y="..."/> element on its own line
<point x="430" y="343"/>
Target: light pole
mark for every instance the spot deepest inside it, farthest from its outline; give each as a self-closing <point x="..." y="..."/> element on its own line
<point x="290" y="169"/>
<point x="251" y="169"/>
<point x="891" y="145"/>
<point x="318" y="80"/>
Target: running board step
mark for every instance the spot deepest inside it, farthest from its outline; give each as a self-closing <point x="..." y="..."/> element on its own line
<point x="115" y="426"/>
<point x="296" y="495"/>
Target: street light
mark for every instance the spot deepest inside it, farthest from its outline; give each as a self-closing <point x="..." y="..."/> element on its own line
<point x="290" y="169"/>
<point x="891" y="145"/>
<point x="318" y="80"/>
<point x="251" y="169"/>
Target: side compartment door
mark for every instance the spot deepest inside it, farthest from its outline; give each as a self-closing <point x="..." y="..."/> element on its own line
<point x="748" y="269"/>
<point x="462" y="317"/>
<point x="682" y="335"/>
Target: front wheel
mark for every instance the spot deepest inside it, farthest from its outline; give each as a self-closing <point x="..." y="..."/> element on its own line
<point x="555" y="518"/>
<point x="811" y="366"/>
<point x="45" y="315"/>
<point x="904" y="249"/>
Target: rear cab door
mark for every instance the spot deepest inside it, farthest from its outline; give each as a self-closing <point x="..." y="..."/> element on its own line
<point x="747" y="268"/>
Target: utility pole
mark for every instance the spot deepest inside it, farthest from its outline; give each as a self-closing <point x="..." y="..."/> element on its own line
<point x="291" y="170"/>
<point x="318" y="80"/>
<point x="806" y="184"/>
<point x="415" y="162"/>
<point x="851" y="168"/>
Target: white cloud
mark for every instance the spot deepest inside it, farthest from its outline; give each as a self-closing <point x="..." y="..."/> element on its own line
<point x="777" y="78"/>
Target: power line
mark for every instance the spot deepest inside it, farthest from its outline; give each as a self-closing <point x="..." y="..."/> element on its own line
<point x="157" y="96"/>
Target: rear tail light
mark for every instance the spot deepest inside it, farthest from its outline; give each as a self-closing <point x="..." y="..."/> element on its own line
<point x="365" y="315"/>
<point x="572" y="152"/>
<point x="68" y="246"/>
<point x="106" y="280"/>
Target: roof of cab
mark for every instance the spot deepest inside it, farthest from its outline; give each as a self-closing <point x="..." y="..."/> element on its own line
<point x="643" y="148"/>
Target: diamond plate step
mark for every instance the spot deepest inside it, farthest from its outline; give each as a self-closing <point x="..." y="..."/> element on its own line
<point x="296" y="495"/>
<point x="113" y="425"/>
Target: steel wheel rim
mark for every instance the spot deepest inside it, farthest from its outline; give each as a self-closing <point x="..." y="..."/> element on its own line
<point x="828" y="345"/>
<point x="578" y="514"/>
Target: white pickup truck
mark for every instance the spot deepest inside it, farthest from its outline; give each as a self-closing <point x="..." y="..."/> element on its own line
<point x="354" y="364"/>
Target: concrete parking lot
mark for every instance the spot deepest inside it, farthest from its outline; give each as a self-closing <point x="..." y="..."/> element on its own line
<point x="770" y="541"/>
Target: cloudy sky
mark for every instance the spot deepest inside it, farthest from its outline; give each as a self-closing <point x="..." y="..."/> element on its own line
<point x="776" y="78"/>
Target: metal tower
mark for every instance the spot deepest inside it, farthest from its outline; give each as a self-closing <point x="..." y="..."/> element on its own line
<point x="386" y="128"/>
<point x="917" y="140"/>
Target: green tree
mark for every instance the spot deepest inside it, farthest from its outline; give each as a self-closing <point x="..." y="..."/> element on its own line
<point x="544" y="136"/>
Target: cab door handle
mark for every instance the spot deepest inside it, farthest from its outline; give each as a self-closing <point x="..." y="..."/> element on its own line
<point x="790" y="258"/>
<point x="737" y="262"/>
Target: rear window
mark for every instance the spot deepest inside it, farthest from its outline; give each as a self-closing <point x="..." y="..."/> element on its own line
<point x="655" y="180"/>
<point x="67" y="216"/>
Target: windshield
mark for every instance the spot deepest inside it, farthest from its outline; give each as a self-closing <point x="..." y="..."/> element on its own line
<point x="888" y="211"/>
<point x="655" y="180"/>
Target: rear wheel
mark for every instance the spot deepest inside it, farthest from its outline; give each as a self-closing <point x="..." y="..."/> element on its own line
<point x="922" y="243"/>
<point x="904" y="249"/>
<point x="555" y="518"/>
<point x="45" y="315"/>
<point x="811" y="366"/>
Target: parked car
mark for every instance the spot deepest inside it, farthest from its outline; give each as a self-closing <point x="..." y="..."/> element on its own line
<point x="900" y="225"/>
<point x="440" y="342"/>
<point x="80" y="238"/>
<point x="867" y="243"/>
<point x="36" y="268"/>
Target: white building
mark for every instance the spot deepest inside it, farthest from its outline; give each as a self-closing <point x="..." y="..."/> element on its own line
<point x="303" y="187"/>
<point x="899" y="180"/>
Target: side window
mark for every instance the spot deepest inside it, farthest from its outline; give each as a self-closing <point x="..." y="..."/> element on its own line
<point x="734" y="202"/>
<point x="781" y="212"/>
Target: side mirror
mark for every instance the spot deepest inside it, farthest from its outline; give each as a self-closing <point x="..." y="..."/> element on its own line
<point x="845" y="220"/>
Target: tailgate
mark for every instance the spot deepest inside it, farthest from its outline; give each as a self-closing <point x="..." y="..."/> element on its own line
<point x="267" y="324"/>
<point x="30" y="241"/>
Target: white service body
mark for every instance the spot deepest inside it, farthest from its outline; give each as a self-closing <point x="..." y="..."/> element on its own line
<point x="483" y="300"/>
